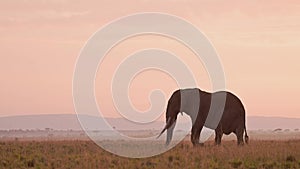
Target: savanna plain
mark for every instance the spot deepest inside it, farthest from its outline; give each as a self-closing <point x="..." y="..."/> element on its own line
<point x="85" y="154"/>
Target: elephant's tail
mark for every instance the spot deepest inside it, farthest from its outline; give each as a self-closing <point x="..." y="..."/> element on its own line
<point x="246" y="136"/>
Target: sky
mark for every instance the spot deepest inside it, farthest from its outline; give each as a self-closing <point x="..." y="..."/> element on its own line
<point x="258" y="43"/>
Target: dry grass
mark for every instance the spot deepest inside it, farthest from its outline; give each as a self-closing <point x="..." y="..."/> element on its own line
<point x="86" y="154"/>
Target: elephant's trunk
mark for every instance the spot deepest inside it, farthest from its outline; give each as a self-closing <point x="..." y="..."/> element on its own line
<point x="169" y="127"/>
<point x="170" y="133"/>
<point x="165" y="128"/>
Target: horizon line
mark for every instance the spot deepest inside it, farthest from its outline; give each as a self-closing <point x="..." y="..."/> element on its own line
<point x="122" y="118"/>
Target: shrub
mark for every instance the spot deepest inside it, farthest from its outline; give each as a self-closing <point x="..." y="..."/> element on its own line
<point x="30" y="163"/>
<point x="290" y="158"/>
<point x="269" y="165"/>
<point x="235" y="163"/>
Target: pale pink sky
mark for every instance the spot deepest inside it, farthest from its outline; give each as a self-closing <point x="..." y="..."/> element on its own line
<point x="258" y="43"/>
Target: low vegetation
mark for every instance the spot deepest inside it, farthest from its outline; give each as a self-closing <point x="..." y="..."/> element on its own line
<point x="86" y="154"/>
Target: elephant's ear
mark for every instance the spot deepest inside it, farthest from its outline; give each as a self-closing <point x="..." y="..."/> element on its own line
<point x="165" y="128"/>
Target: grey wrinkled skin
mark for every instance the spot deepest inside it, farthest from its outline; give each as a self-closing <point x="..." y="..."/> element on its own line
<point x="227" y="114"/>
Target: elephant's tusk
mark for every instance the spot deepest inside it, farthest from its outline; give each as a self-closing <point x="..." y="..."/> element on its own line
<point x="161" y="132"/>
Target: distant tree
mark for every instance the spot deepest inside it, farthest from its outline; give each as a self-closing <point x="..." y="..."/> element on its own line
<point x="278" y="129"/>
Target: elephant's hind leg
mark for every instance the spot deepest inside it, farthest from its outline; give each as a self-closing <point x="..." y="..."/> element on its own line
<point x="219" y="134"/>
<point x="239" y="134"/>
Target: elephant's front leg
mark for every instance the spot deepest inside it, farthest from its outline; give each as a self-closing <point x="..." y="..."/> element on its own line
<point x="195" y="135"/>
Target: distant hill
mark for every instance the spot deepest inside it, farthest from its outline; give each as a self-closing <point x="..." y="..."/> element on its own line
<point x="271" y="123"/>
<point x="70" y="121"/>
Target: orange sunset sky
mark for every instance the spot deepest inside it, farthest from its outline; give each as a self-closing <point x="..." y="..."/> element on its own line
<point x="258" y="43"/>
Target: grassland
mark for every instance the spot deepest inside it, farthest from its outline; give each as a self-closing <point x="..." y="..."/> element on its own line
<point x="86" y="154"/>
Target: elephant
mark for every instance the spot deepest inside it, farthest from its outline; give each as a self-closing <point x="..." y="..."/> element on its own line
<point x="221" y="111"/>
